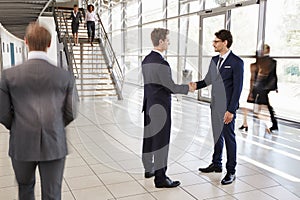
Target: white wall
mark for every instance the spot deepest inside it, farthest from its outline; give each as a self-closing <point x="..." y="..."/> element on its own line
<point x="49" y="23"/>
<point x="6" y="39"/>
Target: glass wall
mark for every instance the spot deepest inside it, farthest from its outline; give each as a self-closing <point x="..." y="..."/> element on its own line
<point x="182" y="18"/>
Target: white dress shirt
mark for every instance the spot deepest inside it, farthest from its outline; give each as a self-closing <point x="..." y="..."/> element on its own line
<point x="41" y="55"/>
<point x="91" y="17"/>
<point x="224" y="57"/>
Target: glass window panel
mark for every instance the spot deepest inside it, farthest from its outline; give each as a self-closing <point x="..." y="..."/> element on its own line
<point x="173" y="36"/>
<point x="195" y="6"/>
<point x="117" y="42"/>
<point x="152" y="10"/>
<point x="132" y="13"/>
<point x="104" y="19"/>
<point x="211" y="4"/>
<point x="283" y="27"/>
<point x="132" y="47"/>
<point x="244" y="37"/>
<point x="172" y="8"/>
<point x="116" y="17"/>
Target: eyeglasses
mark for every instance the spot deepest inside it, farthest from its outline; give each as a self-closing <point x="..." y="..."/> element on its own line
<point x="216" y="41"/>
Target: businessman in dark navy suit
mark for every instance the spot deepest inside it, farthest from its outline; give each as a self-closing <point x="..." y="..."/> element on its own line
<point x="158" y="87"/>
<point x="225" y="74"/>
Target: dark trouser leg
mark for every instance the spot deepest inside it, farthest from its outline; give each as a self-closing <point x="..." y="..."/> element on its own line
<point x="161" y="164"/>
<point x="217" y="126"/>
<point x="51" y="173"/>
<point x="93" y="31"/>
<point x="147" y="156"/>
<point x="25" y="175"/>
<point x="272" y="115"/>
<point x="89" y="28"/>
<point x="230" y="143"/>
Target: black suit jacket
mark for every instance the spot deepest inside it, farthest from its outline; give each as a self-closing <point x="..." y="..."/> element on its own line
<point x="158" y="82"/>
<point x="77" y="18"/>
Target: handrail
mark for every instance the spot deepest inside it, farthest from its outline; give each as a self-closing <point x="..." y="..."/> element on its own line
<point x="70" y="43"/>
<point x="46" y="6"/>
<point x="111" y="58"/>
<point x="65" y="39"/>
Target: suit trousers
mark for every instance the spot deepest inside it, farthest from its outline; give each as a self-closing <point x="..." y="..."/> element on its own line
<point x="224" y="132"/>
<point x="156" y="144"/>
<point x="51" y="174"/>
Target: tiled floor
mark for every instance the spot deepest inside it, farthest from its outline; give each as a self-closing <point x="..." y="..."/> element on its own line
<point x="105" y="150"/>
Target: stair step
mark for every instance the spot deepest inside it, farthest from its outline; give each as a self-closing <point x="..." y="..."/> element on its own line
<point x="98" y="95"/>
<point x="95" y="90"/>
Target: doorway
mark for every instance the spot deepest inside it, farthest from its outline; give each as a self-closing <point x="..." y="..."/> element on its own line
<point x="12" y="54"/>
<point x="209" y="24"/>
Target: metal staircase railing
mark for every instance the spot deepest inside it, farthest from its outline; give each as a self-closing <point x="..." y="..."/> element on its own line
<point x="64" y="37"/>
<point x="109" y="55"/>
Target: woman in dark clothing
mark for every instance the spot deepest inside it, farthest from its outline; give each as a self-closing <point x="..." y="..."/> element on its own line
<point x="76" y="17"/>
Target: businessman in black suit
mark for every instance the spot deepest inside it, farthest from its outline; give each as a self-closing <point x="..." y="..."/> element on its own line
<point x="158" y="87"/>
<point x="37" y="101"/>
<point x="225" y="74"/>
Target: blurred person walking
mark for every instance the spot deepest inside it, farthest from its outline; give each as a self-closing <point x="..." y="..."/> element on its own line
<point x="265" y="80"/>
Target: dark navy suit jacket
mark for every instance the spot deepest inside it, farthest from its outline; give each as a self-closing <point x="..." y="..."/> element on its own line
<point x="226" y="84"/>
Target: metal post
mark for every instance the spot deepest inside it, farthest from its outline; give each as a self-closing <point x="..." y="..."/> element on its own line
<point x="123" y="31"/>
<point x="140" y="37"/>
<point x="165" y="13"/>
<point x="261" y="26"/>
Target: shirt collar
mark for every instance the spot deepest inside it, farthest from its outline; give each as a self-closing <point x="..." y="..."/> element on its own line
<point x="41" y="55"/>
<point x="225" y="55"/>
<point x="162" y="55"/>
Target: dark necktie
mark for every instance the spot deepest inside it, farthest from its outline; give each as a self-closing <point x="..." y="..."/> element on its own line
<point x="219" y="63"/>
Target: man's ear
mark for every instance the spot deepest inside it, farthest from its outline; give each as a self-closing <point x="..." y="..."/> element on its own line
<point x="26" y="41"/>
<point x="49" y="44"/>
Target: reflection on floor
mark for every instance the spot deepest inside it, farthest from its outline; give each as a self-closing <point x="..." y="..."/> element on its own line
<point x="105" y="150"/>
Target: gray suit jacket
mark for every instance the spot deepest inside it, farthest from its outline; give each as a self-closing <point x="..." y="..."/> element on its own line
<point x="37" y="101"/>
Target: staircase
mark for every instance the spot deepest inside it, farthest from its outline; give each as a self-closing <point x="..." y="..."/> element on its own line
<point x="91" y="65"/>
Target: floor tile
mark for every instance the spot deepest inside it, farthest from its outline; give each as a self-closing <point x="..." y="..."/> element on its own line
<point x="280" y="193"/>
<point x="253" y="195"/>
<point x="115" y="177"/>
<point x="83" y="182"/>
<point x="99" y="193"/>
<point x="126" y="189"/>
<point x="138" y="197"/>
<point x="171" y="194"/>
<point x="204" y="191"/>
<point x="259" y="181"/>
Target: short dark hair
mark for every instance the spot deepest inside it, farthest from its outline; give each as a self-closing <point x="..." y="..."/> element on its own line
<point x="158" y="34"/>
<point x="225" y="35"/>
<point x="75" y="6"/>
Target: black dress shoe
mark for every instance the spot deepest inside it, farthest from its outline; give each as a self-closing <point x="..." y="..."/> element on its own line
<point x="244" y="127"/>
<point x="273" y="128"/>
<point x="149" y="174"/>
<point x="229" y="178"/>
<point x="211" y="168"/>
<point x="167" y="183"/>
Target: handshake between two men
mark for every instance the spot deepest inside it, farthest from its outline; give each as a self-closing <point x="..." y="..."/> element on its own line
<point x="192" y="86"/>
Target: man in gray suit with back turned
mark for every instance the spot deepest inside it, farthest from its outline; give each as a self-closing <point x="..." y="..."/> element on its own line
<point x="37" y="101"/>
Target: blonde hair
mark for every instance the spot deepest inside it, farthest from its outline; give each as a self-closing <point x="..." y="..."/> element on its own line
<point x="158" y="34"/>
<point x="38" y="37"/>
